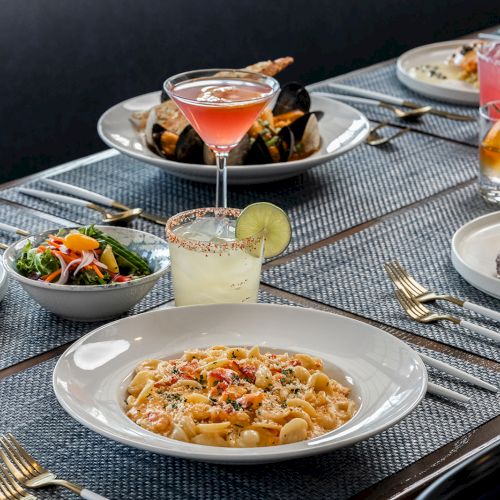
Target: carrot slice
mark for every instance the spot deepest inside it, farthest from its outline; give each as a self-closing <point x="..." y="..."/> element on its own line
<point x="97" y="271"/>
<point x="52" y="275"/>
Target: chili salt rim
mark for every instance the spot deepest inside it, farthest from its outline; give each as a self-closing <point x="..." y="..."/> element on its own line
<point x="206" y="246"/>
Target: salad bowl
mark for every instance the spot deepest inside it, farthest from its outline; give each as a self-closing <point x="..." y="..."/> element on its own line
<point x="93" y="302"/>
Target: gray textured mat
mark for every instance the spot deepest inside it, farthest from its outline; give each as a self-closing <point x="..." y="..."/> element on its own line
<point x="383" y="79"/>
<point x="349" y="273"/>
<point x="120" y="473"/>
<point x="361" y="185"/>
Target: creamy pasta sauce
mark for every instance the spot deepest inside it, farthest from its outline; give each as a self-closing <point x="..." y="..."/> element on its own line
<point x="237" y="397"/>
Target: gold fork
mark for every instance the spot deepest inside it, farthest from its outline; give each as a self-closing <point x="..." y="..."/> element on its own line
<point x="420" y="313"/>
<point x="10" y="489"/>
<point x="375" y="139"/>
<point x="404" y="281"/>
<point x="30" y="473"/>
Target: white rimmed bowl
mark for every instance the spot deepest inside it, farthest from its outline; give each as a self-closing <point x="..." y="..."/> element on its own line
<point x="3" y="282"/>
<point x="387" y="377"/>
<point x="94" y="302"/>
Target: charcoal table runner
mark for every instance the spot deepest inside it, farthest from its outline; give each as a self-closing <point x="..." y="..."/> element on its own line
<point x="29" y="409"/>
<point x="349" y="274"/>
<point x="361" y="185"/>
<point x="383" y="79"/>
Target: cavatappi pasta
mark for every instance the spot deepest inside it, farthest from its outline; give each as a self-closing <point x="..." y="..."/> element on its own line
<point x="237" y="397"/>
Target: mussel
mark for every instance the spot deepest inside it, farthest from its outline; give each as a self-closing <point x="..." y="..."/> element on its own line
<point x="292" y="96"/>
<point x="293" y="132"/>
<point x="189" y="147"/>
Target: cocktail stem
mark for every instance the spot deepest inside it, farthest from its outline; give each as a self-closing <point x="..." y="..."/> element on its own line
<point x="221" y="183"/>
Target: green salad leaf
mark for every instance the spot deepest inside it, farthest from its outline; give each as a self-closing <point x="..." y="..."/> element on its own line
<point x="34" y="262"/>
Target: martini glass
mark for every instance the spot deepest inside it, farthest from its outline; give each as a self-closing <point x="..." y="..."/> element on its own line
<point x="221" y="105"/>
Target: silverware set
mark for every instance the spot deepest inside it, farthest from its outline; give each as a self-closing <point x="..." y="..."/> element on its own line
<point x="412" y="296"/>
<point x="25" y="471"/>
<point x="380" y="99"/>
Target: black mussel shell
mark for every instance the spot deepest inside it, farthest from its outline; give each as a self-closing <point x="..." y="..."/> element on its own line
<point x="319" y="114"/>
<point x="189" y="147"/>
<point x="286" y="143"/>
<point x="236" y="155"/>
<point x="156" y="132"/>
<point x="299" y="125"/>
<point x="292" y="96"/>
<point x="164" y="96"/>
<point x="259" y="153"/>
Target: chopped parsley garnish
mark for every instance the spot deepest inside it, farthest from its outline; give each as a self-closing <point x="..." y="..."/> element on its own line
<point x="234" y="404"/>
<point x="287" y="371"/>
<point x="175" y="369"/>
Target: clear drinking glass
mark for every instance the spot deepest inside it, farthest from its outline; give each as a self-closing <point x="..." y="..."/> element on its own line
<point x="489" y="151"/>
<point x="488" y="64"/>
<point x="221" y="105"/>
<point x="209" y="265"/>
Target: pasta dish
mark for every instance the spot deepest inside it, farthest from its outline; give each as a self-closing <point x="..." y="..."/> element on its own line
<point x="237" y="397"/>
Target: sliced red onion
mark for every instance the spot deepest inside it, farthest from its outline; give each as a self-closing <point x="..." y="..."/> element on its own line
<point x="87" y="258"/>
<point x="63" y="279"/>
<point x="63" y="269"/>
<point x="100" y="264"/>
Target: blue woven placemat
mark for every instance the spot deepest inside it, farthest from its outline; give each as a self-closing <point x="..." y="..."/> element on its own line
<point x="120" y="473"/>
<point x="361" y="185"/>
<point x="349" y="274"/>
<point x="383" y="79"/>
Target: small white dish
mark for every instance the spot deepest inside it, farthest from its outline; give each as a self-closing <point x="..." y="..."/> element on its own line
<point x="4" y="283"/>
<point x="94" y="302"/>
<point x="388" y="379"/>
<point x="342" y="128"/>
<point x="451" y="90"/>
<point x="474" y="249"/>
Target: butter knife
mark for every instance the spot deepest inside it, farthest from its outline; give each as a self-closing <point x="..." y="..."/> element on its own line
<point x="101" y="199"/>
<point x="397" y="101"/>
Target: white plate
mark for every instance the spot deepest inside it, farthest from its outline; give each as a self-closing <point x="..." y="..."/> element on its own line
<point x="341" y="128"/>
<point x="474" y="249"/>
<point x="387" y="378"/>
<point x="454" y="91"/>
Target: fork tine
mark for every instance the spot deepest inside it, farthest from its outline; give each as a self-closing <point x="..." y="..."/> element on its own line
<point x="13" y="469"/>
<point x="9" y="480"/>
<point x="17" y="460"/>
<point x="5" y="485"/>
<point x="410" y="279"/>
<point x="31" y="462"/>
<point x="407" y="284"/>
<point x="394" y="277"/>
<point x="403" y="300"/>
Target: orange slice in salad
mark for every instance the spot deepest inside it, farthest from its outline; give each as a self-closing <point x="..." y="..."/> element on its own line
<point x="80" y="242"/>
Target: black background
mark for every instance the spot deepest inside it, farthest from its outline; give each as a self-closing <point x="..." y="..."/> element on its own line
<point x="64" y="62"/>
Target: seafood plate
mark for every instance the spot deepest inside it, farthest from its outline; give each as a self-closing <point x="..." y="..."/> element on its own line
<point x="287" y="132"/>
<point x="296" y="133"/>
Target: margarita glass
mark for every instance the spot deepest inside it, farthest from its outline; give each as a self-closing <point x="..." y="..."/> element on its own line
<point x="221" y="105"/>
<point x="209" y="265"/>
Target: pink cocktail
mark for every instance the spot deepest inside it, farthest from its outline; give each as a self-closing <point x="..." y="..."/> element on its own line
<point x="221" y="105"/>
<point x="489" y="72"/>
